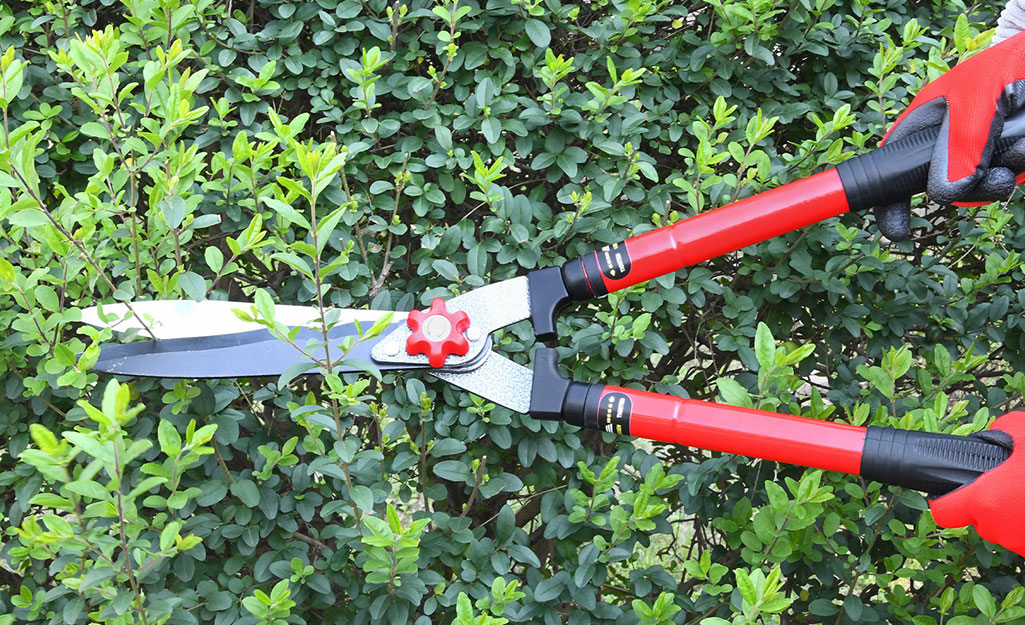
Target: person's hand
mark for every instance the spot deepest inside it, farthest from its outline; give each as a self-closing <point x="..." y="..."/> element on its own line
<point x="969" y="104"/>
<point x="994" y="503"/>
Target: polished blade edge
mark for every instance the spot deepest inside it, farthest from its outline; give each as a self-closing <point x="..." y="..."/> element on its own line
<point x="238" y="355"/>
<point x="176" y="319"/>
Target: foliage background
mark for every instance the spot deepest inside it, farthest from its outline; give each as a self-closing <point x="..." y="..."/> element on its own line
<point x="166" y="149"/>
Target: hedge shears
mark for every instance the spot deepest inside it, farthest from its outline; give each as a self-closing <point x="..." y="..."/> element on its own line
<point x="452" y="339"/>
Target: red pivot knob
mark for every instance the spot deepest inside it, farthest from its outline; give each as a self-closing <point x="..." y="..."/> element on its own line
<point x="437" y="333"/>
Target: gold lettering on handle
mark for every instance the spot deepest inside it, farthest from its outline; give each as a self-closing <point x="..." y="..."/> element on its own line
<point x="608" y="260"/>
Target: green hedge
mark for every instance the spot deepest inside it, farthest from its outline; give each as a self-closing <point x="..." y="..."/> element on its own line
<point x="367" y="154"/>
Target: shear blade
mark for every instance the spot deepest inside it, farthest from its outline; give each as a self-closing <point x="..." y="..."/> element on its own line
<point x="174" y="319"/>
<point x="243" y="354"/>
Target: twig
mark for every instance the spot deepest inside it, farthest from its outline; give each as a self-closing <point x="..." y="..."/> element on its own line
<point x="482" y="469"/>
<point x="79" y="246"/>
<point x="309" y="540"/>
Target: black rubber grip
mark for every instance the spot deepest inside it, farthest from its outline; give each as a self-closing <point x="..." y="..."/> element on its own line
<point x="900" y="169"/>
<point x="925" y="461"/>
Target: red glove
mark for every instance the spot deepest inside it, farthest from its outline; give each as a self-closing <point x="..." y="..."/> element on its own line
<point x="994" y="502"/>
<point x="969" y="104"/>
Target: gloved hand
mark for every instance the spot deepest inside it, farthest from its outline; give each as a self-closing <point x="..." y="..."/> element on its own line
<point x="993" y="503"/>
<point x="969" y="104"/>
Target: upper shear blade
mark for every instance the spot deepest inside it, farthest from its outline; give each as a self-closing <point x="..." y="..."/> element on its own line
<point x="173" y="319"/>
<point x="243" y="354"/>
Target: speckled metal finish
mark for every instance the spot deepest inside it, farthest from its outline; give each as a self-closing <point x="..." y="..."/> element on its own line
<point x="490" y="308"/>
<point x="497" y="379"/>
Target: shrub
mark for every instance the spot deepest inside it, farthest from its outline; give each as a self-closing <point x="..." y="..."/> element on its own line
<point x="350" y="154"/>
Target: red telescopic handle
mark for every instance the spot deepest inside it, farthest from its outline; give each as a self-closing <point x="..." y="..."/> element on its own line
<point x="708" y="235"/>
<point x="693" y="240"/>
<point x="731" y="429"/>
<point x="926" y="461"/>
<point x="930" y="462"/>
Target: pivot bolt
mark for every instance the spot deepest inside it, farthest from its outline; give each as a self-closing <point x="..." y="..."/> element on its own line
<point x="437" y="333"/>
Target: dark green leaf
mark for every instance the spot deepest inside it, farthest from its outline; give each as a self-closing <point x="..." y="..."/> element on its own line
<point x="538" y="33"/>
<point x="246" y="491"/>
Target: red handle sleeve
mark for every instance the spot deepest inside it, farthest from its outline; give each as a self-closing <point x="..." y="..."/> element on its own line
<point x="930" y="462"/>
<point x="927" y="461"/>
<point x="718" y="427"/>
<point x="705" y="236"/>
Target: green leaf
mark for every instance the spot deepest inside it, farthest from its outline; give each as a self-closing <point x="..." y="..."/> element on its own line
<point x="879" y="379"/>
<point x="548" y="589"/>
<point x="88" y="444"/>
<point x="214" y="258"/>
<point x="293" y="371"/>
<point x="464" y="610"/>
<point x="544" y="160"/>
<point x="47" y="298"/>
<point x="524" y="554"/>
<point x="170" y="440"/>
<point x="94" y="129"/>
<point x="538" y="32"/>
<point x="264" y="305"/>
<point x="95" y="576"/>
<point x="203" y="221"/>
<point x="89" y="489"/>
<point x="746" y="587"/>
<point x="942" y="359"/>
<point x="73" y="609"/>
<point x="362" y="497"/>
<point x="217" y="601"/>
<point x="169" y="534"/>
<point x="326" y="227"/>
<point x="50" y="500"/>
<point x="7" y="271"/>
<point x="960" y="37"/>
<point x="178" y="500"/>
<point x="777" y="497"/>
<point x="853" y="606"/>
<point x="765" y="347"/>
<point x="286" y="212"/>
<point x="453" y="470"/>
<point x="58" y="525"/>
<point x="797" y="355"/>
<point x="294" y="262"/>
<point x="447" y="447"/>
<point x="492" y="129"/>
<point x="823" y="607"/>
<point x="247" y="492"/>
<point x="734" y="393"/>
<point x="447" y="269"/>
<point x="194" y="285"/>
<point x="984" y="600"/>
<point x="567" y="164"/>
<point x="28" y="218"/>
<point x="173" y="209"/>
<point x="444" y="137"/>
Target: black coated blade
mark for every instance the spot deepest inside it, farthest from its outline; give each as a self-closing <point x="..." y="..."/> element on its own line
<point x="245" y="354"/>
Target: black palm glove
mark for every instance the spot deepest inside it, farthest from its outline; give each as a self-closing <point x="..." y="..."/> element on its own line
<point x="969" y="105"/>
